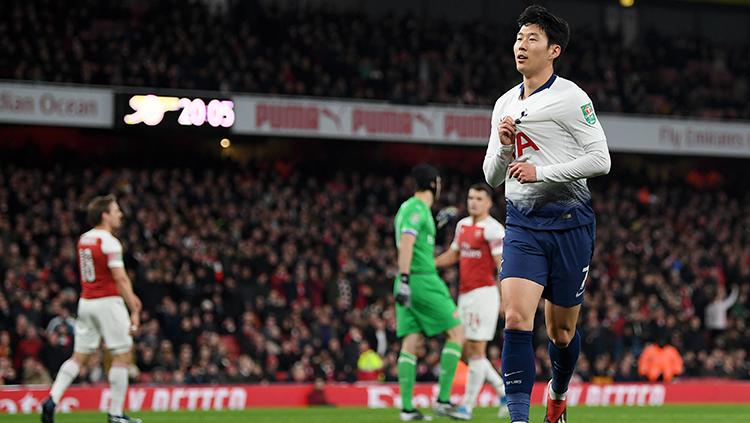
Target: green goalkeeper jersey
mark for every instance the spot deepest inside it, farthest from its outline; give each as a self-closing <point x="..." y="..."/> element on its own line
<point x="414" y="217"/>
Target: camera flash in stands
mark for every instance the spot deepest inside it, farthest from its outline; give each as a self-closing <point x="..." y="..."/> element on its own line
<point x="225" y="143"/>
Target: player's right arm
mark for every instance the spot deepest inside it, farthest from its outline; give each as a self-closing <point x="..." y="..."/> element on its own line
<point x="499" y="148"/>
<point x="125" y="288"/>
<point x="405" y="252"/>
<point x="452" y="254"/>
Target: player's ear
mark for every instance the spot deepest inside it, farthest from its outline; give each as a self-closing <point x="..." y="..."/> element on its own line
<point x="554" y="51"/>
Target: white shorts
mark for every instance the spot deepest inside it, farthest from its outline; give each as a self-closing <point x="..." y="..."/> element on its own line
<point x="99" y="318"/>
<point x="479" y="310"/>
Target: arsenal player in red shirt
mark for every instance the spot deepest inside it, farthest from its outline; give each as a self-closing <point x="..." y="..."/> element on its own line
<point x="105" y="290"/>
<point x="478" y="248"/>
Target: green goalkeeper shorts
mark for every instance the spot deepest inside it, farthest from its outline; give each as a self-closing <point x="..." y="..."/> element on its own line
<point x="432" y="311"/>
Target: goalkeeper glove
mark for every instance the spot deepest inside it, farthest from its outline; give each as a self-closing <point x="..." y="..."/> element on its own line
<point x="445" y="215"/>
<point x="403" y="293"/>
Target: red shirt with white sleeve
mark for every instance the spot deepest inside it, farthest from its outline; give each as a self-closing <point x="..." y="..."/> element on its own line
<point x="99" y="252"/>
<point x="477" y="243"/>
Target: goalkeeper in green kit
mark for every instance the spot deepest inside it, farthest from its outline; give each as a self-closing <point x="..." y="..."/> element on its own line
<point x="423" y="303"/>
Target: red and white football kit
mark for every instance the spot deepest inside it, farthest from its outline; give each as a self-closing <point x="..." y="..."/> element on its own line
<point x="479" y="296"/>
<point x="101" y="310"/>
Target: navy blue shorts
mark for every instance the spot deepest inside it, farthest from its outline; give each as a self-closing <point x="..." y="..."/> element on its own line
<point x="556" y="259"/>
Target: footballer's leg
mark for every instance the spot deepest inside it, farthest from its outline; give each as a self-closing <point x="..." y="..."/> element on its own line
<point x="564" y="348"/>
<point x="85" y="342"/>
<point x="521" y="298"/>
<point x="65" y="376"/>
<point x="467" y="307"/>
<point x="479" y="312"/>
<point x="409" y="330"/>
<point x="449" y="358"/>
<point x="569" y="271"/>
<point x="493" y="378"/>
<point x="407" y="375"/>
<point x="115" y="322"/>
<point x="475" y="377"/>
<point x="437" y="314"/>
<point x="524" y="277"/>
<point x="490" y="310"/>
<point x="481" y="370"/>
<point x="118" y="384"/>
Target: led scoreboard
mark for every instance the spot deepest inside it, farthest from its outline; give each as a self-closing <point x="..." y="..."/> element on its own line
<point x="159" y="111"/>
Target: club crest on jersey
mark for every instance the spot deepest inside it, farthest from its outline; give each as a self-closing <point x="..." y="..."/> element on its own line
<point x="588" y="113"/>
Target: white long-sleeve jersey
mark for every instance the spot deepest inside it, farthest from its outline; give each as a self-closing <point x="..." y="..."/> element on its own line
<point x="560" y="134"/>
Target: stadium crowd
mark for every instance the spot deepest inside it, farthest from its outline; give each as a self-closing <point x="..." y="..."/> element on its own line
<point x="258" y="274"/>
<point x="243" y="46"/>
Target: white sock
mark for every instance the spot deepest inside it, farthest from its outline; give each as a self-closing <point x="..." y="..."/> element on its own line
<point x="474" y="382"/>
<point x="554" y="395"/>
<point x="493" y="377"/>
<point x="118" y="384"/>
<point x="65" y="376"/>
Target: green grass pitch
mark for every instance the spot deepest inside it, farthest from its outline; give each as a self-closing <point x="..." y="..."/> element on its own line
<point x="672" y="413"/>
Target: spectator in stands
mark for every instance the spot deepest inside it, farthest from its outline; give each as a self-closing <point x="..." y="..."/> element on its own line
<point x="369" y="364"/>
<point x="7" y="372"/>
<point x="660" y="361"/>
<point x="34" y="373"/>
<point x="716" y="311"/>
<point x="5" y="348"/>
<point x="650" y="275"/>
<point x="626" y="369"/>
<point x="30" y="345"/>
<point x="397" y="57"/>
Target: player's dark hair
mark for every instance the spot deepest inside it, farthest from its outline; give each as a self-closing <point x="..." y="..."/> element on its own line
<point x="482" y="187"/>
<point x="96" y="207"/>
<point x="425" y="177"/>
<point x="556" y="28"/>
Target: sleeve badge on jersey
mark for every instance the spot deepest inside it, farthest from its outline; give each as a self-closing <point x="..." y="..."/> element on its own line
<point x="588" y="113"/>
<point x="414" y="219"/>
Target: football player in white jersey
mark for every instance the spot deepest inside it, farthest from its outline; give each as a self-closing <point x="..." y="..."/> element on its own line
<point x="545" y="141"/>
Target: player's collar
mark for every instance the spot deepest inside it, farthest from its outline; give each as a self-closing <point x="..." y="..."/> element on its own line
<point x="543" y="87"/>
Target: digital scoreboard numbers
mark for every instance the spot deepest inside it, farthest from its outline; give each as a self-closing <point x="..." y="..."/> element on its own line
<point x="164" y="111"/>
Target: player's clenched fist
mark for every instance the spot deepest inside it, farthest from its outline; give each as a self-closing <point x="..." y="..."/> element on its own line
<point x="507" y="130"/>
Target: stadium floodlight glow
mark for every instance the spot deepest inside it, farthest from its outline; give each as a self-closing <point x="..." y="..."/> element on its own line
<point x="627" y="3"/>
<point x="225" y="143"/>
<point x="150" y="109"/>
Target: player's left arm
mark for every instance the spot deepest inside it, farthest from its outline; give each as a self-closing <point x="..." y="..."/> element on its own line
<point x="406" y="252"/>
<point x="580" y="120"/>
<point x="113" y="249"/>
<point x="494" y="236"/>
<point x="410" y="228"/>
